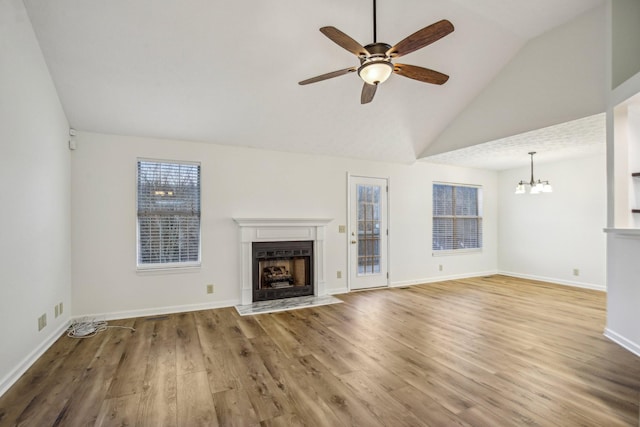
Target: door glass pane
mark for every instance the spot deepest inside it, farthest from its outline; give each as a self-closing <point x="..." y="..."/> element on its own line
<point x="376" y="265"/>
<point x="368" y="229"/>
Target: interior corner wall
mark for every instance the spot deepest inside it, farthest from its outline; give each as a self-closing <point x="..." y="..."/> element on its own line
<point x="556" y="77"/>
<point x="245" y="183"/>
<point x="625" y="55"/>
<point x="35" y="254"/>
<point x="547" y="236"/>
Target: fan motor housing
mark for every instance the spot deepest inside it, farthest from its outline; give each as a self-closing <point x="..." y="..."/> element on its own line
<point x="377" y="49"/>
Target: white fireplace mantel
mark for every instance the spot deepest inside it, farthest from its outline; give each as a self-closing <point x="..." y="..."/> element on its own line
<point x="281" y="229"/>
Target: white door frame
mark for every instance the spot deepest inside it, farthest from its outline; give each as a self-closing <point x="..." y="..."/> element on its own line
<point x="350" y="178"/>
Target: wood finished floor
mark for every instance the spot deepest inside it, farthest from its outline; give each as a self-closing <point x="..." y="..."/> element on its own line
<point x="493" y="351"/>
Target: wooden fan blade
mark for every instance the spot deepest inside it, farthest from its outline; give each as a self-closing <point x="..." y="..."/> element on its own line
<point x="368" y="92"/>
<point x="422" y="74"/>
<point x="421" y="38"/>
<point x="328" y="76"/>
<point x="344" y="41"/>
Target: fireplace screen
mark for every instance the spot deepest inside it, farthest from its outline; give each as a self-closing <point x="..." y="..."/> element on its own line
<point x="282" y="270"/>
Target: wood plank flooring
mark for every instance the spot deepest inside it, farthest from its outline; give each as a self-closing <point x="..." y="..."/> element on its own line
<point x="491" y="351"/>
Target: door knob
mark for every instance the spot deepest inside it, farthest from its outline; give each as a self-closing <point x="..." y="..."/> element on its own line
<point x="353" y="242"/>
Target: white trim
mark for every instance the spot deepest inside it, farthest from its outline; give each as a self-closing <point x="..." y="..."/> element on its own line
<point x="31" y="358"/>
<point x="553" y="280"/>
<point x="159" y="310"/>
<point x="168" y="268"/>
<point x="285" y="222"/>
<point x="450" y="252"/>
<point x="337" y="291"/>
<point x="436" y="279"/>
<point x="494" y="272"/>
<point x="174" y="161"/>
<point x="456" y="184"/>
<point x="622" y="341"/>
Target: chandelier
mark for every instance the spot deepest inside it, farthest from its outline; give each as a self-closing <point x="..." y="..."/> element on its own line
<point x="536" y="186"/>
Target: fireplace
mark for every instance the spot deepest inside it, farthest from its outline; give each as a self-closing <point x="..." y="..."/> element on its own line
<point x="281" y="230"/>
<point x="282" y="269"/>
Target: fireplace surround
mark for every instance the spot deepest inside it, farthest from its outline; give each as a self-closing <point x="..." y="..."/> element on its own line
<point x="261" y="230"/>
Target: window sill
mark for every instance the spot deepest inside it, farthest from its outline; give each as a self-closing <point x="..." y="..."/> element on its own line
<point x="162" y="269"/>
<point x="456" y="252"/>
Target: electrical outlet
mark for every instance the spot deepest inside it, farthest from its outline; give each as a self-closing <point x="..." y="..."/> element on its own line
<point x="440" y="268"/>
<point x="339" y="274"/>
<point x="42" y="322"/>
<point x="209" y="289"/>
<point x="576" y="272"/>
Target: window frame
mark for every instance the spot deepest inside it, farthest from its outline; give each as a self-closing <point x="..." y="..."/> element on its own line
<point x="479" y="218"/>
<point x="167" y="266"/>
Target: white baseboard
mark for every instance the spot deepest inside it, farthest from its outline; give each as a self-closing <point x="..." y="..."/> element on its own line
<point x="622" y="341"/>
<point x="31" y="358"/>
<point x="440" y="278"/>
<point x="595" y="287"/>
<point x="337" y="291"/>
<point x="157" y="311"/>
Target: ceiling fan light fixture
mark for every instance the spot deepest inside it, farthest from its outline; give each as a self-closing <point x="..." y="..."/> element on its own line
<point x="376" y="58"/>
<point x="375" y="71"/>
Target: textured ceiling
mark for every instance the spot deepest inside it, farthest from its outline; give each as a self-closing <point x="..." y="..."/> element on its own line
<point x="227" y="72"/>
<point x="577" y="138"/>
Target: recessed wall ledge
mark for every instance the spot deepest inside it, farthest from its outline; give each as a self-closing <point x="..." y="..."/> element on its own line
<point x="627" y="232"/>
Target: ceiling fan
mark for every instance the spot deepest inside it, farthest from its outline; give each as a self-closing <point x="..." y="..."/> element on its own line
<point x="376" y="58"/>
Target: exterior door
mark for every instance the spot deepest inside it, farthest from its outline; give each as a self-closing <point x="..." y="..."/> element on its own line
<point x="368" y="234"/>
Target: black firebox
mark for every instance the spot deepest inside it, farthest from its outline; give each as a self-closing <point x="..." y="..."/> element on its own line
<point x="282" y="269"/>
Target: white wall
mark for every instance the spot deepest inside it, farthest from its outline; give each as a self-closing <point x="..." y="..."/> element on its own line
<point x="623" y="290"/>
<point x="633" y="124"/>
<point x="546" y="236"/>
<point x="242" y="182"/>
<point x="35" y="196"/>
<point x="556" y="77"/>
<point x="625" y="15"/>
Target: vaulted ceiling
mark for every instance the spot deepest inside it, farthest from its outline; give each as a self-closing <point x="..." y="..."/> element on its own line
<point x="226" y="72"/>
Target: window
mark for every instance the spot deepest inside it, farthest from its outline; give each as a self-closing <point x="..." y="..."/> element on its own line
<point x="168" y="214"/>
<point x="457" y="217"/>
<point x="369" y="220"/>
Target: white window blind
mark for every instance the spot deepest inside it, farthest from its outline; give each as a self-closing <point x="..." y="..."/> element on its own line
<point x="168" y="214"/>
<point x="457" y="217"/>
